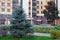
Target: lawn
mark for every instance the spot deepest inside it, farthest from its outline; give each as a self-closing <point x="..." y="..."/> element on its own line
<point x="8" y="37"/>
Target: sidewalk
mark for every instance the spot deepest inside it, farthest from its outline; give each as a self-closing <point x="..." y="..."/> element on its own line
<point x="41" y="34"/>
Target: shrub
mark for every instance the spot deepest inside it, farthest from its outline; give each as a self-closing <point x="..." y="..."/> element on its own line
<point x="57" y="38"/>
<point x="3" y="30"/>
<point x="20" y="26"/>
<point x="43" y="28"/>
<point x="58" y="27"/>
<point x="55" y="34"/>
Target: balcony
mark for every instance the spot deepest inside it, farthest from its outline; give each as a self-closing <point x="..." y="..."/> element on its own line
<point x="39" y="20"/>
<point x="29" y="18"/>
<point x="15" y="1"/>
<point x="33" y="12"/>
<point x="2" y="16"/>
<point x="33" y="4"/>
<point x="59" y="15"/>
<point x="33" y="0"/>
<point x="40" y="14"/>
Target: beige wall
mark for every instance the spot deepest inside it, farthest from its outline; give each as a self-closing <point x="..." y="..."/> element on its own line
<point x="6" y="7"/>
<point x="7" y="22"/>
<point x="44" y="2"/>
<point x="58" y="21"/>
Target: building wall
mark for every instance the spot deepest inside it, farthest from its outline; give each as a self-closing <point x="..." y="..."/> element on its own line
<point x="58" y="21"/>
<point x="57" y="2"/>
<point x="42" y="4"/>
<point x="5" y="11"/>
<point x="58" y="5"/>
<point x="4" y="4"/>
<point x="37" y="10"/>
<point x="27" y="7"/>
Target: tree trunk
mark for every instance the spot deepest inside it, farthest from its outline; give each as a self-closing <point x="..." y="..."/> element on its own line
<point x="54" y="22"/>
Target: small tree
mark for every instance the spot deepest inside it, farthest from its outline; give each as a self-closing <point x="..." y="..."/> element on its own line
<point x="19" y="25"/>
<point x="51" y="11"/>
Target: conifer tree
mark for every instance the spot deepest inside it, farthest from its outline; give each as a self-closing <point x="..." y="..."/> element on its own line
<point x="51" y="11"/>
<point x="19" y="25"/>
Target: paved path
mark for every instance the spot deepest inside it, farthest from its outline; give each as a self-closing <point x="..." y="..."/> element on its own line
<point x="41" y="34"/>
<point x="38" y="34"/>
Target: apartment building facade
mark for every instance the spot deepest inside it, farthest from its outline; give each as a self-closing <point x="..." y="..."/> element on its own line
<point x="37" y="11"/>
<point x="5" y="11"/>
<point x="58" y="6"/>
<point x="7" y="8"/>
<point x="27" y="7"/>
<point x="32" y="8"/>
<point x="57" y="2"/>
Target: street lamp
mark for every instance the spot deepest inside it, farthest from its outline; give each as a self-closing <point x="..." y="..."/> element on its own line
<point x="21" y="3"/>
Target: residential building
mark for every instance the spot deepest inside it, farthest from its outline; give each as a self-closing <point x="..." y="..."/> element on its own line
<point x="7" y="7"/>
<point x="57" y="2"/>
<point x="32" y="8"/>
<point x="16" y="3"/>
<point x="5" y="11"/>
<point x="27" y="7"/>
<point x="58" y="6"/>
<point x="37" y="11"/>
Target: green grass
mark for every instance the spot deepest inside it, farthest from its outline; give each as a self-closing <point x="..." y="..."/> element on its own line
<point x="8" y="37"/>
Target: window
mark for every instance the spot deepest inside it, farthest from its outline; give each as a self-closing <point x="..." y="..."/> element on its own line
<point x="38" y="7"/>
<point x="41" y="12"/>
<point x="33" y="14"/>
<point x="41" y="7"/>
<point x="33" y="9"/>
<point x="2" y="21"/>
<point x="8" y="4"/>
<point x="37" y="16"/>
<point x="33" y="0"/>
<point x="9" y="16"/>
<point x="29" y="2"/>
<point x="29" y="8"/>
<point x="2" y="4"/>
<point x="8" y="10"/>
<point x="37" y="11"/>
<point x="37" y="2"/>
<point x="3" y="9"/>
<point x="15" y="1"/>
<point x="29" y="13"/>
<point x="33" y="4"/>
<point x="41" y="2"/>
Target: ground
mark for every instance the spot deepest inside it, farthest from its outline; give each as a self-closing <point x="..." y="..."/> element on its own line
<point x="9" y="37"/>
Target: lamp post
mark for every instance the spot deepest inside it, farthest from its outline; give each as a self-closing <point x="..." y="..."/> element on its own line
<point x="21" y="3"/>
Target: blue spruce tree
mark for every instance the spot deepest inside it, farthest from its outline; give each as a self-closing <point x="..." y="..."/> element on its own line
<point x="19" y="25"/>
